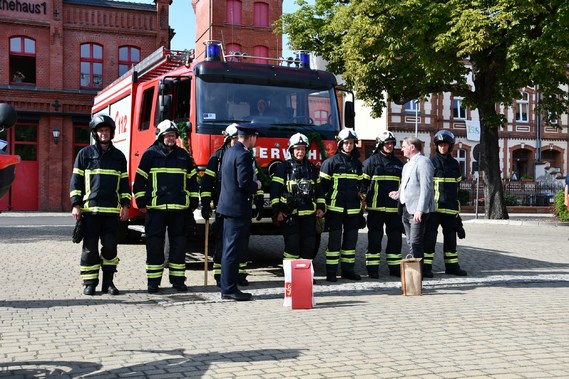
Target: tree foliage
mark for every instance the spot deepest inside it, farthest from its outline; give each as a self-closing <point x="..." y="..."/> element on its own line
<point x="400" y="50"/>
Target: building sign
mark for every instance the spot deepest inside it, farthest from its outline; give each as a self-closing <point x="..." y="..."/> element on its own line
<point x="23" y="7"/>
<point x="473" y="130"/>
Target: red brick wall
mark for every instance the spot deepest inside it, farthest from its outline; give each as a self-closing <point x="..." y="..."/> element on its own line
<point x="58" y="34"/>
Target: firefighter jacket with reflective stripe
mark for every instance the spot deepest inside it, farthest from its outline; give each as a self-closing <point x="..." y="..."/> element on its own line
<point x="382" y="174"/>
<point x="341" y="179"/>
<point x="446" y="183"/>
<point x="295" y="188"/>
<point x="166" y="180"/>
<point x="99" y="183"/>
<point x="211" y="180"/>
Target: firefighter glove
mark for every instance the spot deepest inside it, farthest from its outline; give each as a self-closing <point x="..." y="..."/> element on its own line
<point x="78" y="231"/>
<point x="259" y="203"/>
<point x="363" y="222"/>
<point x="206" y="211"/>
<point x="460" y="232"/>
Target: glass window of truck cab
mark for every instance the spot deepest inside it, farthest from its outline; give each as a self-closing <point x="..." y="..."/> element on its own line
<point x="277" y="111"/>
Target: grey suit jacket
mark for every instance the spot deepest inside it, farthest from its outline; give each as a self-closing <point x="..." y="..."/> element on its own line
<point x="417" y="183"/>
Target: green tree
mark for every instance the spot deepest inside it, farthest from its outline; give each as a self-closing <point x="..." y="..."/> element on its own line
<point x="400" y="50"/>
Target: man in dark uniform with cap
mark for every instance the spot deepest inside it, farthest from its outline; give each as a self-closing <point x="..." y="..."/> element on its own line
<point x="238" y="187"/>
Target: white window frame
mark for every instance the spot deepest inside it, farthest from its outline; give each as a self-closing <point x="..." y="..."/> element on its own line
<point x="458" y="108"/>
<point x="522" y="108"/>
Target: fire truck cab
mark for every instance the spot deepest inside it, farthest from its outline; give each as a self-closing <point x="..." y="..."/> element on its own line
<point x="279" y="98"/>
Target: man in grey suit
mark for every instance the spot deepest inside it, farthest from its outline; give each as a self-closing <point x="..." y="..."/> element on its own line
<point x="416" y="195"/>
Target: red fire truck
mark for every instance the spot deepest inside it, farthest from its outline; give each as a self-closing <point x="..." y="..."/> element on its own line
<point x="279" y="97"/>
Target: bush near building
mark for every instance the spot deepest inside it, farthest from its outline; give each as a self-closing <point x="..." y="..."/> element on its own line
<point x="560" y="208"/>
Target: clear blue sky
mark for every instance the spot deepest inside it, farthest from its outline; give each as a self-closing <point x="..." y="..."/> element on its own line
<point x="182" y="20"/>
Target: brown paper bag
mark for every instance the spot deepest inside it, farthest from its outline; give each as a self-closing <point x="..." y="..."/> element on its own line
<point x="411" y="277"/>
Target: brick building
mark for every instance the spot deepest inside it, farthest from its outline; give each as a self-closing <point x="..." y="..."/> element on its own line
<point x="58" y="55"/>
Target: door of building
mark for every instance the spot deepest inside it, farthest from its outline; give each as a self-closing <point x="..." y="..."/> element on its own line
<point x="23" y="141"/>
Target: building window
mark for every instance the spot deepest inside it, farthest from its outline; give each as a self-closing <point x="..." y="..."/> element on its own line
<point x="320" y="117"/>
<point x="458" y="110"/>
<point x="233" y="15"/>
<point x="261" y="51"/>
<point x="128" y="57"/>
<point x="232" y="48"/>
<point x="91" y="65"/>
<point x="413" y="106"/>
<point x="22" y="60"/>
<point x="261" y="17"/>
<point x="522" y="112"/>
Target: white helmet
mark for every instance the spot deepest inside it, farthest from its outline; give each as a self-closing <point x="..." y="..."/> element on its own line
<point x="385" y="137"/>
<point x="297" y="139"/>
<point x="164" y="127"/>
<point x="347" y="134"/>
<point x="230" y="132"/>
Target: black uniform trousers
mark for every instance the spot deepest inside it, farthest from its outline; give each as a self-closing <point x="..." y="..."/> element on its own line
<point x="299" y="234"/>
<point x="105" y="228"/>
<point x="376" y="220"/>
<point x="448" y="223"/>
<point x="155" y="228"/>
<point x="341" y="246"/>
<point x="235" y="243"/>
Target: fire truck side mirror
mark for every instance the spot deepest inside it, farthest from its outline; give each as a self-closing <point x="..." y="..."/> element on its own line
<point x="188" y="126"/>
<point x="349" y="115"/>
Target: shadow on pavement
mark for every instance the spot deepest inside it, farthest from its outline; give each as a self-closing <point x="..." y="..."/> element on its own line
<point x="194" y="365"/>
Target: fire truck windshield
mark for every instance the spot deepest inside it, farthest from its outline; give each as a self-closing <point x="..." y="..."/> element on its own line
<point x="277" y="111"/>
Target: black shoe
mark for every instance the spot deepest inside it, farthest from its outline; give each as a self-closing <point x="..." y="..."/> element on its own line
<point x="455" y="271"/>
<point x="396" y="273"/>
<point x="180" y="287"/>
<point x="89" y="289"/>
<point x="351" y="276"/>
<point x="153" y="288"/>
<point x="331" y="278"/>
<point x="237" y="296"/>
<point x="373" y="274"/>
<point x="243" y="282"/>
<point x="427" y="274"/>
<point x="110" y="288"/>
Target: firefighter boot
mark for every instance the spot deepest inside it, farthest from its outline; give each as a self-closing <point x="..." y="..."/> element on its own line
<point x="217" y="278"/>
<point x="242" y="280"/>
<point x="178" y="283"/>
<point x="427" y="270"/>
<point x="349" y="273"/>
<point x="154" y="285"/>
<point x="373" y="272"/>
<point x="108" y="285"/>
<point x="395" y="271"/>
<point x="331" y="271"/>
<point x="454" y="269"/>
<point x="89" y="289"/>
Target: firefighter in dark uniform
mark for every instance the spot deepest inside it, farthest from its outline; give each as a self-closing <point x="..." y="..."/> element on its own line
<point x="209" y="191"/>
<point x="297" y="201"/>
<point x="238" y="187"/>
<point x="382" y="174"/>
<point x="100" y="194"/>
<point x="446" y="184"/>
<point x="341" y="180"/>
<point x="166" y="189"/>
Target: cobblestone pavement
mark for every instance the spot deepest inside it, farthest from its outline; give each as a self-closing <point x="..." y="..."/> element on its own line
<point x="506" y="319"/>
